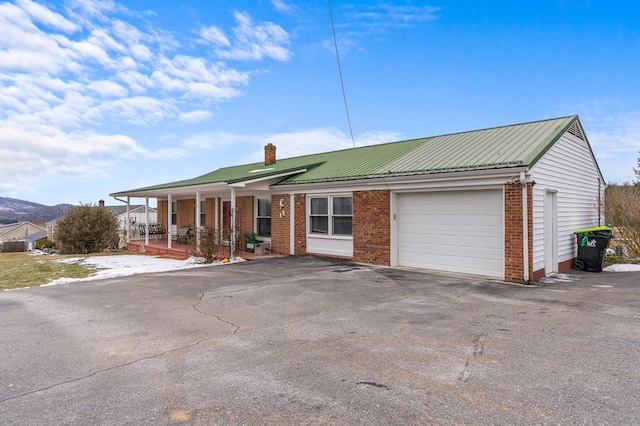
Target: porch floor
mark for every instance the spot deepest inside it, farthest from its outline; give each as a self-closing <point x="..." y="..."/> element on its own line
<point x="158" y="247"/>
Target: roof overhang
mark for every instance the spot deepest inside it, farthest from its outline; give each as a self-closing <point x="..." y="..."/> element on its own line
<point x="429" y="181"/>
<point x="262" y="183"/>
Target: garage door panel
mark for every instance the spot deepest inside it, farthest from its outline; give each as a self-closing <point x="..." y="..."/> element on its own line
<point x="457" y="231"/>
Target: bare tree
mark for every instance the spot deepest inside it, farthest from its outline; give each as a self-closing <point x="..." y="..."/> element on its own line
<point x="622" y="210"/>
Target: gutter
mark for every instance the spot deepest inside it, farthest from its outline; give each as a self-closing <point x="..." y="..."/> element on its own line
<point x="525" y="227"/>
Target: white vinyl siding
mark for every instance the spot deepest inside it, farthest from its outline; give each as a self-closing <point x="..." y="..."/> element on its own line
<point x="568" y="169"/>
<point x="454" y="231"/>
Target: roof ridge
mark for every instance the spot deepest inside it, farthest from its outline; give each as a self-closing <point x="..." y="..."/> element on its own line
<point x="501" y="127"/>
<point x="413" y="139"/>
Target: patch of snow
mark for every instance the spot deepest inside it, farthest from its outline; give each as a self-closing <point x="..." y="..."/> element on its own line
<point x="125" y="265"/>
<point x="622" y="267"/>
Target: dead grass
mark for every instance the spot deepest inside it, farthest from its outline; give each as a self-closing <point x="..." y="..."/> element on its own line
<point x="18" y="270"/>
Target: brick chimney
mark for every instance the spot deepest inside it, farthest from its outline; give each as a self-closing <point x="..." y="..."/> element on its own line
<point x="101" y="203"/>
<point x="269" y="154"/>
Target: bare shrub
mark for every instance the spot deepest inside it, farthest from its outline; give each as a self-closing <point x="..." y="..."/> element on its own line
<point x="13" y="247"/>
<point x="211" y="240"/>
<point x="622" y="211"/>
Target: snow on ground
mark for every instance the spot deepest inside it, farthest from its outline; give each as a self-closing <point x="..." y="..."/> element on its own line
<point x="129" y="264"/>
<point x="622" y="267"/>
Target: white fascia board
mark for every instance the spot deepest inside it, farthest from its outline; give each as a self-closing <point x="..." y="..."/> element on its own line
<point x="177" y="191"/>
<point x="455" y="180"/>
<point x="243" y="184"/>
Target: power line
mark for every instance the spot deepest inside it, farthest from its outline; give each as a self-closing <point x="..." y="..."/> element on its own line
<point x="344" y="94"/>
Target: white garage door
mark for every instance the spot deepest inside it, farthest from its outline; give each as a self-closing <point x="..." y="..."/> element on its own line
<point x="455" y="231"/>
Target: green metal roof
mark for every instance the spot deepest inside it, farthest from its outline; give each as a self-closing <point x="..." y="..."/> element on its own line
<point x="517" y="145"/>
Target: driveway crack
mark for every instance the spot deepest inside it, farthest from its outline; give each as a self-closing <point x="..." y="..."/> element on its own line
<point x="196" y="305"/>
<point x="105" y="370"/>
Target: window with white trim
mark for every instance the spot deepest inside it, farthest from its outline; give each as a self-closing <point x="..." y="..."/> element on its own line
<point x="264" y="217"/>
<point x="331" y="215"/>
<point x="174" y="212"/>
<point x="203" y="212"/>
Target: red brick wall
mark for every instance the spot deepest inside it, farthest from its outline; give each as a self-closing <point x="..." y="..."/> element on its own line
<point x="513" y="242"/>
<point x="186" y="213"/>
<point x="301" y="224"/>
<point x="210" y="213"/>
<point x="244" y="219"/>
<point x="162" y="214"/>
<point x="280" y="224"/>
<point x="372" y="227"/>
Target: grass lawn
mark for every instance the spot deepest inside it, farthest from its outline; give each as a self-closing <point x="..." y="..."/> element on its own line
<point x="19" y="270"/>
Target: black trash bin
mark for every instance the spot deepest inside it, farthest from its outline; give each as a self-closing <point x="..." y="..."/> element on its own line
<point x="592" y="247"/>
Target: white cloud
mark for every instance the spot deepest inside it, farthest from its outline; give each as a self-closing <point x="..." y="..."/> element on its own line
<point x="97" y="65"/>
<point x="214" y="35"/>
<point x="290" y="144"/>
<point x="614" y="134"/>
<point x="281" y="6"/>
<point x="319" y="140"/>
<point x="46" y="16"/>
<point x="251" y="41"/>
<point x="196" y="116"/>
<point x="392" y="15"/>
<point x="80" y="154"/>
<point x="214" y="140"/>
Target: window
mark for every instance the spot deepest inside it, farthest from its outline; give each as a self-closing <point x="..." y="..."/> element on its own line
<point x="264" y="217"/>
<point x="342" y="215"/>
<point x="174" y="212"/>
<point x="331" y="215"/>
<point x="203" y="215"/>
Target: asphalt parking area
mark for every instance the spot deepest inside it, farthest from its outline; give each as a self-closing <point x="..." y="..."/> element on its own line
<point x="312" y="341"/>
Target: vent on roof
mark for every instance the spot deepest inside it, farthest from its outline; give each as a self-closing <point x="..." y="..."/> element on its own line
<point x="575" y="131"/>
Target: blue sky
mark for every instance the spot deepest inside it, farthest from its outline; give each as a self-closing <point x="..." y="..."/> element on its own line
<point x="100" y="96"/>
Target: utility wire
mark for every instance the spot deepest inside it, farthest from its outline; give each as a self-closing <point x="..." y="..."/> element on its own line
<point x="344" y="94"/>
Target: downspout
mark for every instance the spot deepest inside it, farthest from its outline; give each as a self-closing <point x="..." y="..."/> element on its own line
<point x="146" y="221"/>
<point x="525" y="227"/>
<point x="599" y="202"/>
<point x="232" y="213"/>
<point x="198" y="224"/>
<point x="169" y="235"/>
<point x="292" y="224"/>
<point x="128" y="220"/>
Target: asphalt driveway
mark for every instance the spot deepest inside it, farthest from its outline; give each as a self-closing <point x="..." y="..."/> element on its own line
<point x="307" y="341"/>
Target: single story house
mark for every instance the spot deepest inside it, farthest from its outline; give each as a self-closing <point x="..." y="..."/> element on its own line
<point x="28" y="232"/>
<point x="501" y="202"/>
<point x="19" y="231"/>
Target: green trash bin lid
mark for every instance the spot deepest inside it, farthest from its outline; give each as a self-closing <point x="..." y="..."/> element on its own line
<point x="597" y="228"/>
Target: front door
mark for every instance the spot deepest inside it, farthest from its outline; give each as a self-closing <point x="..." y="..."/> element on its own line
<point x="550" y="233"/>
<point x="226" y="219"/>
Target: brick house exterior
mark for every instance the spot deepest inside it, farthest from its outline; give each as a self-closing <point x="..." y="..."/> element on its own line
<point x="482" y="202"/>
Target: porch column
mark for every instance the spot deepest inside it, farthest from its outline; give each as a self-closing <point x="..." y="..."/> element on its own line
<point x="146" y="221"/>
<point x="169" y="207"/>
<point x="292" y="224"/>
<point x="198" y="224"/>
<point x="127" y="227"/>
<point x="232" y="214"/>
<point x="216" y="215"/>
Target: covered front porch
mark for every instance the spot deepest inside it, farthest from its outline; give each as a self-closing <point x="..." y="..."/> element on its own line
<point x="159" y="247"/>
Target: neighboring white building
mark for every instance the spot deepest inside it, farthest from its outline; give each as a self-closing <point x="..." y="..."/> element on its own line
<point x="137" y="216"/>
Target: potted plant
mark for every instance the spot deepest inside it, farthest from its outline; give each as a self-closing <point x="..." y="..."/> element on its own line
<point x="250" y="240"/>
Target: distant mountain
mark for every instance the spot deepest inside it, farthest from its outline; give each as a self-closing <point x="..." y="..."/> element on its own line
<point x="14" y="210"/>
